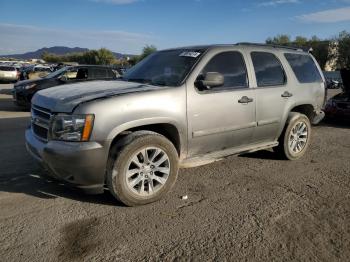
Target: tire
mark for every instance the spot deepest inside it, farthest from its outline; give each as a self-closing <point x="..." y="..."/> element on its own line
<point x="134" y="180"/>
<point x="295" y="139"/>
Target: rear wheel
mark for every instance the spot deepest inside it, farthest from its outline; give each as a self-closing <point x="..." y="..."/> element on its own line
<point x="143" y="168"/>
<point x="295" y="139"/>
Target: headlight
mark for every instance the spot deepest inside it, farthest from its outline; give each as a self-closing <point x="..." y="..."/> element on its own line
<point x="72" y="127"/>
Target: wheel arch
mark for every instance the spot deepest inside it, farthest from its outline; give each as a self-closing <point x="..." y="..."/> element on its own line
<point x="168" y="129"/>
<point x="295" y="111"/>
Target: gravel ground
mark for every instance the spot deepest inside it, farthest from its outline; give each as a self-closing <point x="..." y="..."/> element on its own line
<point x="252" y="208"/>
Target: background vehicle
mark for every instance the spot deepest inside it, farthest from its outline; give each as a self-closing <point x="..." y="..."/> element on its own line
<point x="334" y="84"/>
<point x="39" y="72"/>
<point x="8" y="73"/>
<point x="24" y="72"/>
<point x="24" y="90"/>
<point x="177" y="108"/>
<point x="334" y="79"/>
<point x="338" y="107"/>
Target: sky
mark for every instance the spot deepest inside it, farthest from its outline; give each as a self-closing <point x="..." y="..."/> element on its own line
<point x="126" y="26"/>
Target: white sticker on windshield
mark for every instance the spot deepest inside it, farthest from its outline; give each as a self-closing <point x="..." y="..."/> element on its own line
<point x="190" y="54"/>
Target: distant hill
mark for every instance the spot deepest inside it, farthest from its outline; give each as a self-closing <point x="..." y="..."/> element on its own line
<point x="58" y="50"/>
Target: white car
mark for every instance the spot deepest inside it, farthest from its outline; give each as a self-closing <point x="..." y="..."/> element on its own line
<point x="8" y="73"/>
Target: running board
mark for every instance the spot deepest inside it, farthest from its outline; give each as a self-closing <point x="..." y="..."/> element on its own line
<point x="219" y="155"/>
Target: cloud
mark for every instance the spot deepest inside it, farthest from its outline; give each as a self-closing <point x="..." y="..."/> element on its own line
<point x="23" y="38"/>
<point x="327" y="16"/>
<point x="278" y="2"/>
<point x="116" y="2"/>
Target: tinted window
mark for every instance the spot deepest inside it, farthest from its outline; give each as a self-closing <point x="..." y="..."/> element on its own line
<point x="71" y="73"/>
<point x="99" y="73"/>
<point x="82" y="73"/>
<point x="7" y="68"/>
<point x="268" y="69"/>
<point x="304" y="68"/>
<point x="169" y="68"/>
<point x="231" y="65"/>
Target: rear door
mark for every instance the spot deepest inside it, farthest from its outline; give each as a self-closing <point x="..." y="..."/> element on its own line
<point x="220" y="118"/>
<point x="272" y="94"/>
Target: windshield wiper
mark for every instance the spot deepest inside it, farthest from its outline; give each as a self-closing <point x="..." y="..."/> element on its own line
<point x="140" y="80"/>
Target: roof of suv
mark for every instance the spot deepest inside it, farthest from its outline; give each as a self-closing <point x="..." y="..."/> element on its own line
<point x="261" y="46"/>
<point x="101" y="66"/>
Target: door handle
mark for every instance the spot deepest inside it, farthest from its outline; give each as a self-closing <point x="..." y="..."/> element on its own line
<point x="286" y="94"/>
<point x="245" y="100"/>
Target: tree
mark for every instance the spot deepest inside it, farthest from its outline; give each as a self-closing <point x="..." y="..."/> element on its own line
<point x="343" y="57"/>
<point x="320" y="47"/>
<point x="279" y="40"/>
<point x="320" y="50"/>
<point x="102" y="56"/>
<point x="147" y="50"/>
<point x="105" y="57"/>
<point x="301" y="41"/>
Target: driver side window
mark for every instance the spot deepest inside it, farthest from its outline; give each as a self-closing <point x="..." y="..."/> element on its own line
<point x="232" y="66"/>
<point x="71" y="73"/>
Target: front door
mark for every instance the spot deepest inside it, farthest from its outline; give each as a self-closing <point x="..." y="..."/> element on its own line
<point x="222" y="117"/>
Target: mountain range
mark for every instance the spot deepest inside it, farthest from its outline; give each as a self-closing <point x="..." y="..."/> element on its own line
<point x="58" y="50"/>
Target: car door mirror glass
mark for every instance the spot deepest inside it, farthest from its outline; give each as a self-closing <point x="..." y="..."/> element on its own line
<point x="210" y="80"/>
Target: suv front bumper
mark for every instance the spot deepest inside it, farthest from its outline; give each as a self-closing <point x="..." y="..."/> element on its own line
<point x="82" y="164"/>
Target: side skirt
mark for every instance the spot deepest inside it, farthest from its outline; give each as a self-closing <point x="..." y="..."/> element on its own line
<point x="219" y="155"/>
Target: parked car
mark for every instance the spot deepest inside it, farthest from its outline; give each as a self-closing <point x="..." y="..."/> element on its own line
<point x="39" y="72"/>
<point x="23" y="91"/>
<point x="338" y="107"/>
<point x="24" y="71"/>
<point x="177" y="108"/>
<point x="334" y="84"/>
<point x="8" y="73"/>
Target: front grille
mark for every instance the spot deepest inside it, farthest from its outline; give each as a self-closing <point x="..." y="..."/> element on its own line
<point x="41" y="118"/>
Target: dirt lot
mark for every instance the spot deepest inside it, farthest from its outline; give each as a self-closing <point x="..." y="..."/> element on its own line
<point x="252" y="207"/>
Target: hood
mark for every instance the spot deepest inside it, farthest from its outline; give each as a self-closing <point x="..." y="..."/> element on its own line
<point x="65" y="98"/>
<point x="27" y="82"/>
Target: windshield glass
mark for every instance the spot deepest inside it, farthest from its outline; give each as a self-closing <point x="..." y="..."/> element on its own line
<point x="168" y="68"/>
<point x="57" y="73"/>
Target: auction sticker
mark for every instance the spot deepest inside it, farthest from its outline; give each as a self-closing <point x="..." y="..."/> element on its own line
<point x="190" y="54"/>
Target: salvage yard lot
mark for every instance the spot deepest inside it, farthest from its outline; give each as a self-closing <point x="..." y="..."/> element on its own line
<point x="250" y="207"/>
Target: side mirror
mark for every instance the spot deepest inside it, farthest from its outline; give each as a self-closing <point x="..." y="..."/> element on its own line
<point x="63" y="78"/>
<point x="211" y="79"/>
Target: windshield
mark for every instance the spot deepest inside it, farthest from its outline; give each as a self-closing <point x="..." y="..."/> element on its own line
<point x="165" y="68"/>
<point x="57" y="73"/>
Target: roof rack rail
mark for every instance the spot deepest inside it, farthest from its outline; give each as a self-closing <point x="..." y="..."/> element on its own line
<point x="271" y="45"/>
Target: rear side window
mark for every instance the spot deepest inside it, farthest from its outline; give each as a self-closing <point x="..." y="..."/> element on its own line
<point x="100" y="73"/>
<point x="82" y="74"/>
<point x="268" y="69"/>
<point x="304" y="68"/>
<point x="7" y="68"/>
<point x="232" y="66"/>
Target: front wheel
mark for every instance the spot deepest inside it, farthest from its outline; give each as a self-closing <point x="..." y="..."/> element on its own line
<point x="143" y="168"/>
<point x="295" y="139"/>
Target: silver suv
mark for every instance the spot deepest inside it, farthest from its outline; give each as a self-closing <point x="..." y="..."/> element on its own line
<point x="181" y="107"/>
